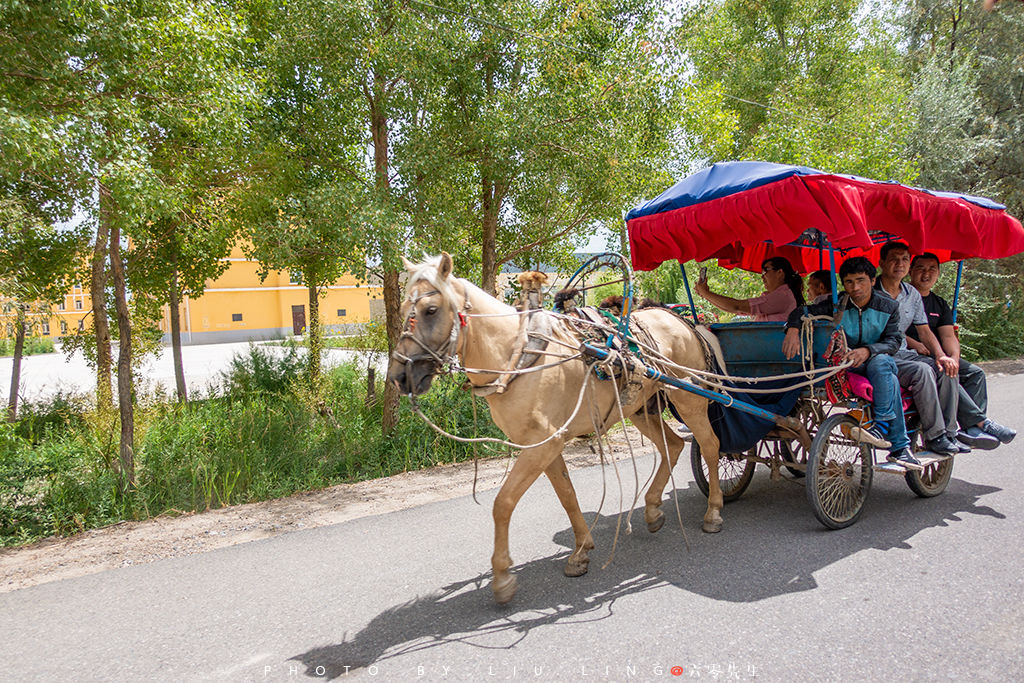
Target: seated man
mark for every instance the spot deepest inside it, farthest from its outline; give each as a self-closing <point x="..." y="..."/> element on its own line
<point x="934" y="390"/>
<point x="976" y="429"/>
<point x="871" y="323"/>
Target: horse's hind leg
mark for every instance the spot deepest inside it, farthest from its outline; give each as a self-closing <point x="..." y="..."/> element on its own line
<point x="528" y="466"/>
<point x="558" y="475"/>
<point x="653" y="426"/>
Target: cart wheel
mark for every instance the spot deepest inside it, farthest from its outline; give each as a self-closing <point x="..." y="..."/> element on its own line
<point x="734" y="472"/>
<point x="810" y="414"/>
<point x="933" y="480"/>
<point x="839" y="472"/>
<point x="792" y="451"/>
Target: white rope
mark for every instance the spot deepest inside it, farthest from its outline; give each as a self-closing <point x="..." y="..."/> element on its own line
<point x="487" y="439"/>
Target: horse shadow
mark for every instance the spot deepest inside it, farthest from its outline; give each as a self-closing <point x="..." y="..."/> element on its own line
<point x="771" y="546"/>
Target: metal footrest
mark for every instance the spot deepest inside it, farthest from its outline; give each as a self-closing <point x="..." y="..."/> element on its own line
<point x="926" y="457"/>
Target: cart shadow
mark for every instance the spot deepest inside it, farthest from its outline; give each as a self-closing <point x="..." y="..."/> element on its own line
<point x="771" y="546"/>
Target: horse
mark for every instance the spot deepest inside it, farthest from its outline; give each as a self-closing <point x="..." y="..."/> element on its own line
<point x="447" y="317"/>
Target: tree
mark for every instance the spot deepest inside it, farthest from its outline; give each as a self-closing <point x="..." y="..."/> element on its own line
<point x="37" y="265"/>
<point x="553" y="117"/>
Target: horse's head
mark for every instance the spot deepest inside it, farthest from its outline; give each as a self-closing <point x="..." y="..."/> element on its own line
<point x="433" y="315"/>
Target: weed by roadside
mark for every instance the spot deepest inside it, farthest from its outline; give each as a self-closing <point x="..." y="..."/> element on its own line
<point x="261" y="437"/>
<point x="33" y="346"/>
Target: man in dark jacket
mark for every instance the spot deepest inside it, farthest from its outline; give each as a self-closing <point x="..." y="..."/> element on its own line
<point x="871" y="323"/>
<point x="976" y="429"/>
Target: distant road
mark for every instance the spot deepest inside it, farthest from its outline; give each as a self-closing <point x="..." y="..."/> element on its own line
<point x="46" y="374"/>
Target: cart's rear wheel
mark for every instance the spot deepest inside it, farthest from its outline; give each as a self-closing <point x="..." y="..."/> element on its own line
<point x="839" y="472"/>
<point x="933" y="480"/>
<point x="734" y="472"/>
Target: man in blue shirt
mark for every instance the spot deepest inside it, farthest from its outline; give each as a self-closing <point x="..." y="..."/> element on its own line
<point x="871" y="324"/>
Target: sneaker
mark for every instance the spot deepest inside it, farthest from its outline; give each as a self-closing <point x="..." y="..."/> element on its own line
<point x="944" y="445"/>
<point x="904" y="457"/>
<point x="1004" y="434"/>
<point x="872" y="434"/>
<point x="976" y="438"/>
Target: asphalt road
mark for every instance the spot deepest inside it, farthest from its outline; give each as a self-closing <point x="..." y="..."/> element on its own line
<point x="919" y="589"/>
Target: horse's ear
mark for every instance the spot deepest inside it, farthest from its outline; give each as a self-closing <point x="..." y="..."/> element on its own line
<point x="409" y="265"/>
<point x="444" y="269"/>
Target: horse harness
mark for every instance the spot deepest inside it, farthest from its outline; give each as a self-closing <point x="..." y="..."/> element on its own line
<point x="443" y="356"/>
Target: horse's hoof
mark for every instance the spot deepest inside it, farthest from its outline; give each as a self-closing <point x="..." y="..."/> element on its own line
<point x="505" y="590"/>
<point x="577" y="567"/>
<point x="657" y="523"/>
<point x="711" y="527"/>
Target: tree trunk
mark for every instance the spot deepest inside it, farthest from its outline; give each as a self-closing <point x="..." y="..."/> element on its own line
<point x="490" y="205"/>
<point x="313" y="333"/>
<point x="179" y="368"/>
<point x="392" y="291"/>
<point x="124" y="366"/>
<point x="19" y="349"/>
<point x="97" y="290"/>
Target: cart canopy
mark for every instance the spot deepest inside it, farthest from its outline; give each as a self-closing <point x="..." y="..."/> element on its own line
<point x="741" y="212"/>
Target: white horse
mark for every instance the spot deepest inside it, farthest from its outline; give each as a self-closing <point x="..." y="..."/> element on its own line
<point x="446" y="316"/>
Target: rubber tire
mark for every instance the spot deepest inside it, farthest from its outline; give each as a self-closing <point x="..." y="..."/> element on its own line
<point x="739" y="484"/>
<point x="829" y="431"/>
<point x="932" y="481"/>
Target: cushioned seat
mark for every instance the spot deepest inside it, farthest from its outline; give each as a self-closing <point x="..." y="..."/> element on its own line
<point x="861" y="387"/>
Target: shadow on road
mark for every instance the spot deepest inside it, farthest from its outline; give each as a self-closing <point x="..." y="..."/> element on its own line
<point x="771" y="545"/>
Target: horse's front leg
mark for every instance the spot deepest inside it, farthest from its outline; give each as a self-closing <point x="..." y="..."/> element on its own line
<point x="528" y="466"/>
<point x="558" y="475"/>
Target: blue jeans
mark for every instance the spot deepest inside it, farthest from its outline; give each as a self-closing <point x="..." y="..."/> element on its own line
<point x="886" y="402"/>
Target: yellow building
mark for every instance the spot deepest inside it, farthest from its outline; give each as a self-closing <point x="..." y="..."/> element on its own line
<point x="237" y="306"/>
<point x="71" y="314"/>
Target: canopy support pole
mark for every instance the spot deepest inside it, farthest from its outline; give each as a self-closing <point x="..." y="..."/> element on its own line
<point x="689" y="295"/>
<point x="956" y="291"/>
<point x="832" y="269"/>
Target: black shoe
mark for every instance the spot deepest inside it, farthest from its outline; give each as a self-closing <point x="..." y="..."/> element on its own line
<point x="976" y="438"/>
<point x="1004" y="434"/>
<point x="962" y="448"/>
<point x="904" y="457"/>
<point x="943" y="444"/>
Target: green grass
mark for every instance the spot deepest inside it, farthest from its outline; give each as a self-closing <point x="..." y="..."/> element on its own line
<point x="33" y="345"/>
<point x="261" y="437"/>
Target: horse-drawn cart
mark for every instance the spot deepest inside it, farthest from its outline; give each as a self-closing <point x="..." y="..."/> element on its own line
<point x="741" y="213"/>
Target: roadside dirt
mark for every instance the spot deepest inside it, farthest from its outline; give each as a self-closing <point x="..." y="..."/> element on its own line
<point x="130" y="543"/>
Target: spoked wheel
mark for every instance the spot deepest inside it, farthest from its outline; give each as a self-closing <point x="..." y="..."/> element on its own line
<point x="933" y="480"/>
<point x="810" y="415"/>
<point x="734" y="472"/>
<point x="839" y="472"/>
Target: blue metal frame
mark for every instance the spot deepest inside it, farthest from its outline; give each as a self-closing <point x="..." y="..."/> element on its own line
<point x="689" y="295"/>
<point x="956" y="291"/>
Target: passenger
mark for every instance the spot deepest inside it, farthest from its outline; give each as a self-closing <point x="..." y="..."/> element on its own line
<point x="819" y="286"/>
<point x="871" y="323"/>
<point x="976" y="429"/>
<point x="934" y="391"/>
<point x="783" y="291"/>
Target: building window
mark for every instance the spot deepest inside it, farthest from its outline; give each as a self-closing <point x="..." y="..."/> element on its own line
<point x="61" y="306"/>
<point x="78" y="304"/>
<point x="341" y="312"/>
<point x="236" y="317"/>
<point x="46" y="327"/>
<point x="63" y="327"/>
<point x="81" y="325"/>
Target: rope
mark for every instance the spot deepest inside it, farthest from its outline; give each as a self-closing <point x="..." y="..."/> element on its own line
<point x="487" y="439"/>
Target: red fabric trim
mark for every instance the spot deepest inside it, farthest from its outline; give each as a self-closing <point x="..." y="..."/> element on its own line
<point x="734" y="229"/>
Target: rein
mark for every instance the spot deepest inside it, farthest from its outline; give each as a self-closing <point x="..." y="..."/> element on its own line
<point x="445" y="355"/>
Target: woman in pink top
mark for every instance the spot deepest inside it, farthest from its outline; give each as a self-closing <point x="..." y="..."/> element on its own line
<point x="783" y="291"/>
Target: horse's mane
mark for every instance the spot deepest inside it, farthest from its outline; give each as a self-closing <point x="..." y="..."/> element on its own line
<point x="428" y="271"/>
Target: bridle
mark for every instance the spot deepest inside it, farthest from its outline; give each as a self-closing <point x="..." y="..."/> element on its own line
<point x="444" y="357"/>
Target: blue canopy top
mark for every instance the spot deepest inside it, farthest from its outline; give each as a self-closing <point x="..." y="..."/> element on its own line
<point x="730" y="177"/>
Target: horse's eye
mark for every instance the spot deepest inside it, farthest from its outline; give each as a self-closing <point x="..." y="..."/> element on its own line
<point x="431" y="310"/>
